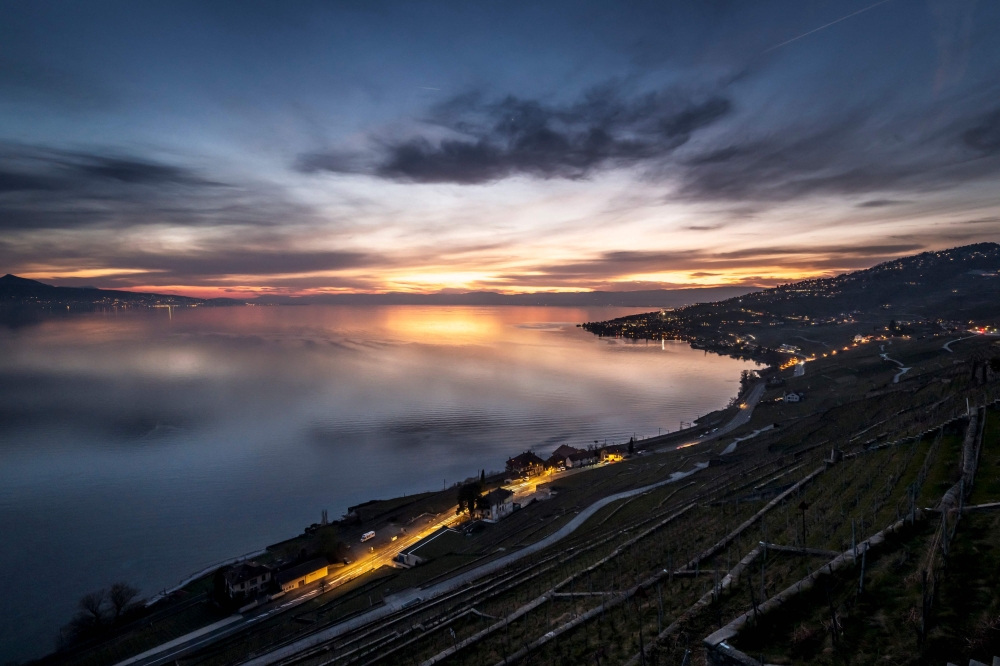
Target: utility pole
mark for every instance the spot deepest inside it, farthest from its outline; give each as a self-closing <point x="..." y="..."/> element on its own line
<point x="802" y="507"/>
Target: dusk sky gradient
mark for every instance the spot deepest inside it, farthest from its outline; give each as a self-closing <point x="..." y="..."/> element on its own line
<point x="232" y="148"/>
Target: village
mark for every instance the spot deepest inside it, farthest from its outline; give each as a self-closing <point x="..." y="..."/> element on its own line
<point x="249" y="584"/>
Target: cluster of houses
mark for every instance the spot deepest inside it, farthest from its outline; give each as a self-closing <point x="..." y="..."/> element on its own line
<point x="565" y="457"/>
<point x="249" y="580"/>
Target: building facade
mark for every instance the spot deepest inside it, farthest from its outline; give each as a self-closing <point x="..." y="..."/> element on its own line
<point x="527" y="464"/>
<point x="248" y="580"/>
<point x="495" y="505"/>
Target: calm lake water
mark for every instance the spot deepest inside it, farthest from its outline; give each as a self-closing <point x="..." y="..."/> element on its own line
<point x="146" y="445"/>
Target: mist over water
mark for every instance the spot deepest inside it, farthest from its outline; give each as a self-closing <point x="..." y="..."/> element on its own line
<point x="146" y="445"/>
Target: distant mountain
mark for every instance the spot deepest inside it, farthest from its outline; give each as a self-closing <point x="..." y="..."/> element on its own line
<point x="18" y="291"/>
<point x="648" y="298"/>
<point x="24" y="293"/>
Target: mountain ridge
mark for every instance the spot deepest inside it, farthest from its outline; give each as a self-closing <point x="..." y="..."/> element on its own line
<point x="15" y="290"/>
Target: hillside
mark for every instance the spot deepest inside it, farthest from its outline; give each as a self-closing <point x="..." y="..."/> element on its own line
<point x="946" y="290"/>
<point x="962" y="283"/>
<point x="18" y="292"/>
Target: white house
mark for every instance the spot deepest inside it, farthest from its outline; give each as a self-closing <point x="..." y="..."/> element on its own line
<point x="495" y="505"/>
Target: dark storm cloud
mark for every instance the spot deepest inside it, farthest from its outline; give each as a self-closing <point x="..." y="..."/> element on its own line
<point x="494" y="139"/>
<point x="862" y="151"/>
<point x="42" y="188"/>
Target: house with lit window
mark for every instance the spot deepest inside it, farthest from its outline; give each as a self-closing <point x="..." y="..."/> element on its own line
<point x="614" y="453"/>
<point x="558" y="457"/>
<point x="526" y="464"/>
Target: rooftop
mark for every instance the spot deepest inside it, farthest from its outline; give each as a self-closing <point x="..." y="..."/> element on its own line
<point x="303" y="569"/>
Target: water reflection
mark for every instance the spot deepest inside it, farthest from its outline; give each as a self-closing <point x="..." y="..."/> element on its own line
<point x="146" y="445"/>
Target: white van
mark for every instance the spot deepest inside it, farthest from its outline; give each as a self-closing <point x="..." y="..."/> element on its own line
<point x="367" y="535"/>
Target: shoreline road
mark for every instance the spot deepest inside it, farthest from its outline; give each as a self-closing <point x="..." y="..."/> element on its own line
<point x="406" y="598"/>
<point x="743" y="416"/>
<point x="167" y="653"/>
<point x="740" y="419"/>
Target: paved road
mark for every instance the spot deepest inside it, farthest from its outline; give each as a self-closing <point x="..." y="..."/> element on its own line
<point x="743" y="416"/>
<point x="170" y="651"/>
<point x="396" y="602"/>
<point x="902" y="369"/>
<point x="740" y="419"/>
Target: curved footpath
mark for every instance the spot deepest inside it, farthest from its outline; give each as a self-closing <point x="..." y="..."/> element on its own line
<point x="902" y="369"/>
<point x="947" y="345"/>
<point x="396" y="602"/>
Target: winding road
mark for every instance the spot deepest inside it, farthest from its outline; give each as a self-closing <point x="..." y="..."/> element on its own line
<point x="947" y="345"/>
<point x="902" y="368"/>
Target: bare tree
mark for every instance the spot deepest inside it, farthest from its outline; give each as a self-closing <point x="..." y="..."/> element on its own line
<point x="120" y="596"/>
<point x="92" y="607"/>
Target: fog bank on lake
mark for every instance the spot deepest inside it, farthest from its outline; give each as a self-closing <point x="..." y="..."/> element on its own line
<point x="145" y="445"/>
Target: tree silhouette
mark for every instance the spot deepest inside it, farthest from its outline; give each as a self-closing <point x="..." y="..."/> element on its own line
<point x="92" y="607"/>
<point x="120" y="596"/>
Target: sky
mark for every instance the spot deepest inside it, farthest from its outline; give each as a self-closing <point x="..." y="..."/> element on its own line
<point x="241" y="148"/>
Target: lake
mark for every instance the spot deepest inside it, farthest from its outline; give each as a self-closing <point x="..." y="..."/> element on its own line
<point x="144" y="445"/>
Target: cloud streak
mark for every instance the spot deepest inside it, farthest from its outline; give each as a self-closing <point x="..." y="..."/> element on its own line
<point x="853" y="156"/>
<point x="44" y="188"/>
